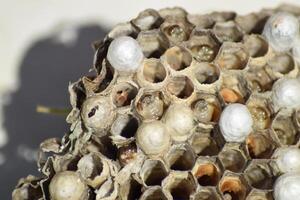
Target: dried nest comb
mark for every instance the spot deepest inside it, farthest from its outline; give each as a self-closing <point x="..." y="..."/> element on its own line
<point x="154" y="134"/>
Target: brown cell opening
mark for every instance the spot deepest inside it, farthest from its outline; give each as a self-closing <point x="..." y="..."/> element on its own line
<point x="182" y="190"/>
<point x="154" y="71"/>
<point x="207" y="175"/>
<point x="233" y="188"/>
<point x="256" y="46"/>
<point x="206" y="73"/>
<point x="282" y="63"/>
<point x="285" y="130"/>
<point x="206" y="193"/>
<point x="178" y="58"/>
<point x="259" y="146"/>
<point x="156" y="175"/>
<point x="232" y="58"/>
<point x="211" y="149"/>
<point x="97" y="168"/>
<point x="123" y="94"/>
<point x="259" y="178"/>
<point x="231" y="96"/>
<point x="182" y="160"/>
<point x="181" y="86"/>
<point x="228" y="31"/>
<point x="135" y="190"/>
<point x="285" y="137"/>
<point x="232" y="160"/>
<point x="156" y="195"/>
<point x="204" y="144"/>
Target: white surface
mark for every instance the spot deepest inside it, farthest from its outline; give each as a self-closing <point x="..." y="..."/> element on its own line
<point x="153" y="137"/>
<point x="125" y="54"/>
<point x="235" y="122"/>
<point x="282" y="30"/>
<point x="287" y="187"/>
<point x="288" y="159"/>
<point x="286" y="93"/>
<point x="179" y="118"/>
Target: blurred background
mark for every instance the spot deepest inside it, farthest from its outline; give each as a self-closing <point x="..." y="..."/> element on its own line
<point x="44" y="45"/>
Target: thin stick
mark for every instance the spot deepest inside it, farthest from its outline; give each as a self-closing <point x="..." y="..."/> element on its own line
<point x="53" y="111"/>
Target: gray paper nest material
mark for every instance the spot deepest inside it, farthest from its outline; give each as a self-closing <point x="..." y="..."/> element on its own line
<point x="127" y="139"/>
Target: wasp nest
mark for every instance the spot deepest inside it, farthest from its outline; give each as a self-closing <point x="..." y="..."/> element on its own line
<point x="182" y="106"/>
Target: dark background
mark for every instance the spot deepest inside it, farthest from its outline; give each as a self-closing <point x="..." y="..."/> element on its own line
<point x="44" y="76"/>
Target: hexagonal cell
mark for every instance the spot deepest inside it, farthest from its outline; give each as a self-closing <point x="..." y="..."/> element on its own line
<point x="234" y="88"/>
<point x="108" y="147"/>
<point x="222" y="16"/>
<point x="260" y="145"/>
<point x="123" y="93"/>
<point x="181" y="157"/>
<point x="206" y="142"/>
<point x="179" y="185"/>
<point x="284" y="128"/>
<point x="177" y="58"/>
<point x="203" y="45"/>
<point x="153" y="43"/>
<point x="233" y="157"/>
<point x="123" y="29"/>
<point x="147" y="19"/>
<point x="258" y="79"/>
<point x="154" y="193"/>
<point x="176" y="29"/>
<point x="256" y="45"/>
<point x="150" y="104"/>
<point x="172" y="12"/>
<point x="207" y="193"/>
<point x="260" y="175"/>
<point x="153" y="71"/>
<point x="94" y="169"/>
<point x="258" y="106"/>
<point x="228" y="31"/>
<point x="97" y="83"/>
<point x="251" y="23"/>
<point x="153" y="172"/>
<point x="29" y="188"/>
<point x="181" y="87"/>
<point x="207" y="171"/>
<point x="206" y="108"/>
<point x="131" y="190"/>
<point x="260" y="195"/>
<point x="206" y="73"/>
<point x="124" y="126"/>
<point x="281" y="64"/>
<point x="203" y="21"/>
<point x="232" y="56"/>
<point x="157" y="146"/>
<point x="97" y="109"/>
<point x="180" y="121"/>
<point x="233" y="186"/>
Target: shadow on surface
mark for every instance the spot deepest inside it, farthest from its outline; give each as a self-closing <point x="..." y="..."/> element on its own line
<point x="44" y="75"/>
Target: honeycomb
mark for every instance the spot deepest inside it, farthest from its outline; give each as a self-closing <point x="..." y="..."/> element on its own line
<point x="154" y="134"/>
